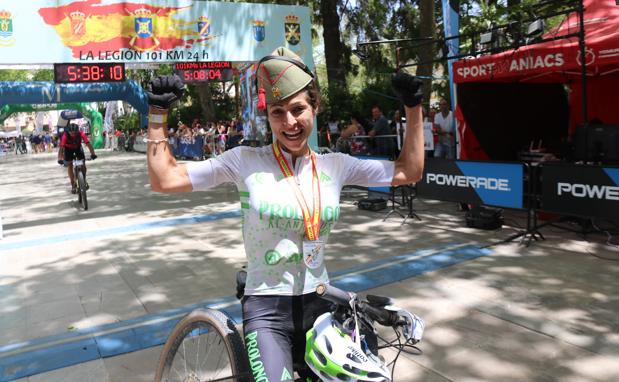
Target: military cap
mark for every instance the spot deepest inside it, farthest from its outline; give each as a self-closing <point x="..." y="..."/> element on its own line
<point x="280" y="75"/>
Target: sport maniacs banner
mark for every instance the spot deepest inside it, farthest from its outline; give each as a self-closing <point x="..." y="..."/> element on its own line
<point x="589" y="191"/>
<point x="489" y="183"/>
<point x="50" y="31"/>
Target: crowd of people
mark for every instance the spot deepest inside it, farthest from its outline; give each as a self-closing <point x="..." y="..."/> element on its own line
<point x="215" y="137"/>
<point x="384" y="137"/>
<point x="35" y="143"/>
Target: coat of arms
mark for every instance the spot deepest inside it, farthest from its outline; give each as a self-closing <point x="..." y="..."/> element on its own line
<point x="292" y="29"/>
<point x="143" y="24"/>
<point x="259" y="30"/>
<point x="6" y="29"/>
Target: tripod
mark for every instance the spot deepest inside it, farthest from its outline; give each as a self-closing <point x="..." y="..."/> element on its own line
<point x="407" y="198"/>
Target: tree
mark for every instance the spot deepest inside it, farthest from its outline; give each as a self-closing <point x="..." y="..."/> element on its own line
<point x="335" y="52"/>
<point x="426" y="54"/>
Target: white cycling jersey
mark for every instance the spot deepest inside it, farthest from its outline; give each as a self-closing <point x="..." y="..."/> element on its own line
<point x="273" y="228"/>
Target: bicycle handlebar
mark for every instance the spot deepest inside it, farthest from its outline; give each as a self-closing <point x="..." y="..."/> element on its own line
<point x="335" y="295"/>
<point x="340" y="297"/>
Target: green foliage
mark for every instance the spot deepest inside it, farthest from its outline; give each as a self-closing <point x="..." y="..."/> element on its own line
<point x="127" y="122"/>
<point x="26" y="75"/>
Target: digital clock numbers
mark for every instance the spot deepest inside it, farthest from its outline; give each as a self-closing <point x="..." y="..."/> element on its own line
<point x="96" y="72"/>
<point x="216" y="71"/>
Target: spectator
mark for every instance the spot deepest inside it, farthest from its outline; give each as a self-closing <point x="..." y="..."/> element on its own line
<point x="384" y="146"/>
<point x="445" y="127"/>
<point x="429" y="132"/>
<point x="398" y="127"/>
<point x="47" y="140"/>
<point x="346" y="143"/>
<point x="333" y="132"/>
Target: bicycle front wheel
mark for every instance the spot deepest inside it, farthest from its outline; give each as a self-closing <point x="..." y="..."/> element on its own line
<point x="204" y="346"/>
<point x="82" y="190"/>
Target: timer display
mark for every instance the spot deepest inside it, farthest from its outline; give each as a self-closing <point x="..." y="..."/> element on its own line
<point x="101" y="72"/>
<point x="215" y="71"/>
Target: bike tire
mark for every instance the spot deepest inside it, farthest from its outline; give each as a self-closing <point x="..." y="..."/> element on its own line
<point x="81" y="190"/>
<point x="226" y="336"/>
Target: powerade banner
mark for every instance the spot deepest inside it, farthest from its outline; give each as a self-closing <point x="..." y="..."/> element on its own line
<point x="590" y="191"/>
<point x="56" y="31"/>
<point x="489" y="183"/>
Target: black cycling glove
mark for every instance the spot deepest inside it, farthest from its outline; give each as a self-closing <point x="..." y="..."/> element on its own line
<point x="93" y="157"/>
<point x="408" y="88"/>
<point x="163" y="91"/>
<point x="61" y="162"/>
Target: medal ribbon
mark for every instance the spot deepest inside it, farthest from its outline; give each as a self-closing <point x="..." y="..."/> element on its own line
<point x="311" y="222"/>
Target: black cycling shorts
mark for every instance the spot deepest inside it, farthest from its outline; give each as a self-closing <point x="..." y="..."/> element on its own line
<point x="274" y="329"/>
<point x="70" y="154"/>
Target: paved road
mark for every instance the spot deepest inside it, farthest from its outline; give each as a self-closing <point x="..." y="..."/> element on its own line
<point x="83" y="288"/>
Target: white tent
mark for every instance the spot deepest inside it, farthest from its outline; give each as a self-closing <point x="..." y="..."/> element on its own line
<point x="9" y="134"/>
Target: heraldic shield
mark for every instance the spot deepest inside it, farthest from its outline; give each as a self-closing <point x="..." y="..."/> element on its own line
<point x="6" y="24"/>
<point x="143" y="26"/>
<point x="204" y="26"/>
<point x="292" y="29"/>
<point x="259" y="30"/>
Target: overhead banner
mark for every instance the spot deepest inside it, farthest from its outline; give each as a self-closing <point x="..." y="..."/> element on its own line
<point x="56" y="31"/>
<point x="489" y="183"/>
<point x="589" y="191"/>
<point x="451" y="24"/>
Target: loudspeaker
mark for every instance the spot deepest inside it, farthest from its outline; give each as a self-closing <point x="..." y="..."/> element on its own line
<point x="372" y="204"/>
<point x="483" y="217"/>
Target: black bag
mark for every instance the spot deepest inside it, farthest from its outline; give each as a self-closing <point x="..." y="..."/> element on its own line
<point x="372" y="204"/>
<point x="483" y="217"/>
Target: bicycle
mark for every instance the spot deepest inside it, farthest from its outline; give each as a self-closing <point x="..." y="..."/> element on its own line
<point x="351" y="318"/>
<point x="80" y="182"/>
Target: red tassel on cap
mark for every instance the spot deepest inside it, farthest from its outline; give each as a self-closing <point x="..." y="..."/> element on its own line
<point x="262" y="99"/>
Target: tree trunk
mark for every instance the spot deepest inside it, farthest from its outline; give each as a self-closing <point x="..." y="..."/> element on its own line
<point x="206" y="101"/>
<point x="426" y="53"/>
<point x="334" y="51"/>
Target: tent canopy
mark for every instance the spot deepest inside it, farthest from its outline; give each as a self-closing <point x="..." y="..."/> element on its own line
<point x="558" y="60"/>
<point x="510" y="99"/>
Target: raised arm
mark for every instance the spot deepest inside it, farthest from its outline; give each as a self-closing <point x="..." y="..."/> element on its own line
<point x="165" y="174"/>
<point x="409" y="165"/>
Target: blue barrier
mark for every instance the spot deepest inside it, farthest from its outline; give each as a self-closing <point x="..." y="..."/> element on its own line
<point x="189" y="147"/>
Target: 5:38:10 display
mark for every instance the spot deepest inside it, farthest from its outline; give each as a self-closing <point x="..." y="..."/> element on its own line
<point x="95" y="73"/>
<point x="102" y="72"/>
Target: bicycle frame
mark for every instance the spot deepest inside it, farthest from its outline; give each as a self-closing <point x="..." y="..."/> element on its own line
<point x="79" y="167"/>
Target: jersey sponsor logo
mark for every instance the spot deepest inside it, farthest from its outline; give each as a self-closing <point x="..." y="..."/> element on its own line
<point x="324" y="178"/>
<point x="494" y="184"/>
<point x="289" y="211"/>
<point x="589" y="191"/>
<point x="257" y="367"/>
<point x="273" y="257"/>
<point x="286" y="375"/>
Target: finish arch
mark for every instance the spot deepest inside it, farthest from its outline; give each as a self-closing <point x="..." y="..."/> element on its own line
<point x="32" y="93"/>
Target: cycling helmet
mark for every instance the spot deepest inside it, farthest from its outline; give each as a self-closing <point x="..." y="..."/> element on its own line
<point x="73" y="128"/>
<point x="334" y="356"/>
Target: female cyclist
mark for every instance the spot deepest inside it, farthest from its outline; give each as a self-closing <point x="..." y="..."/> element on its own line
<point x="290" y="200"/>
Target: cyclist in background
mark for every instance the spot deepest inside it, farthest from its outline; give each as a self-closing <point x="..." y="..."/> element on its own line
<point x="290" y="200"/>
<point x="70" y="146"/>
